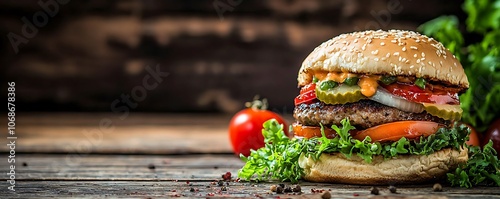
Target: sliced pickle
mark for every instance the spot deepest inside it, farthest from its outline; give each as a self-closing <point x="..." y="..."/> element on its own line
<point x="445" y="111"/>
<point x="340" y="95"/>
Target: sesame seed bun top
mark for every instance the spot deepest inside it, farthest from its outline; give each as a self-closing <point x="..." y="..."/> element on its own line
<point x="394" y="52"/>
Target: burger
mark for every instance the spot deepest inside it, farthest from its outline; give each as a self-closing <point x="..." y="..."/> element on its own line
<point x="390" y="85"/>
<point x="375" y="107"/>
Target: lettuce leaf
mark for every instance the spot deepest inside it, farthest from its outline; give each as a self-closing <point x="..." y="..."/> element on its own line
<point x="482" y="168"/>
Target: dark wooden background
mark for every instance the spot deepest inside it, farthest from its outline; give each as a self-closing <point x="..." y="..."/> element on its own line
<point x="92" y="52"/>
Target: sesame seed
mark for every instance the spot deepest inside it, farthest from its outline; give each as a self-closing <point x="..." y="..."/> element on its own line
<point x="429" y="62"/>
<point x="388" y="55"/>
<point x="423" y="54"/>
<point x="413" y="47"/>
<point x="382" y="43"/>
<point x="415" y="55"/>
<point x="396" y="54"/>
<point x="418" y="61"/>
<point x="412" y="66"/>
<point x="356" y="41"/>
<point x="374" y="52"/>
<point x="404" y="49"/>
<point x="383" y="58"/>
<point x="376" y="59"/>
<point x="394" y="41"/>
<point x="418" y="40"/>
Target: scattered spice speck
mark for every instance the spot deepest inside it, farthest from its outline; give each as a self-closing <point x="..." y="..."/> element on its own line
<point x="374" y="191"/>
<point x="279" y="190"/>
<point x="226" y="176"/>
<point x="151" y="166"/>
<point x="297" y="188"/>
<point x="437" y="187"/>
<point x="392" y="189"/>
<point x="273" y="188"/>
<point x="326" y="195"/>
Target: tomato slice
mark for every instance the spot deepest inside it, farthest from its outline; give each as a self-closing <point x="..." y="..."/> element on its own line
<point x="307" y="94"/>
<point x="416" y="94"/>
<point x="396" y="130"/>
<point x="312" y="131"/>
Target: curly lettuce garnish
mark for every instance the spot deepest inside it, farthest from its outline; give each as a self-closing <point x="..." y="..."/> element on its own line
<point x="482" y="168"/>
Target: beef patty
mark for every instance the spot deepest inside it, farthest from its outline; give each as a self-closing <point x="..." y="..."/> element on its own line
<point x="362" y="114"/>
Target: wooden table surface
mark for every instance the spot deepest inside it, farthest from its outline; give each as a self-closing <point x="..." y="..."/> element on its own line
<point x="89" y="155"/>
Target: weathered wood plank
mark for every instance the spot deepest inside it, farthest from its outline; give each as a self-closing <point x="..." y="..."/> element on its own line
<point x="133" y="168"/>
<point x="136" y="134"/>
<point x="134" y="189"/>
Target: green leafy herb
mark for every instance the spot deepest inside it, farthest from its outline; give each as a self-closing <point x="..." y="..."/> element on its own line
<point x="351" y="81"/>
<point x="483" y="15"/>
<point x="278" y="159"/>
<point x="328" y="84"/>
<point x="388" y="79"/>
<point x="482" y="168"/>
<point x="420" y="82"/>
<point x="315" y="79"/>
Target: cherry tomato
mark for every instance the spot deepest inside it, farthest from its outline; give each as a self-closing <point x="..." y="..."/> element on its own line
<point x="473" y="137"/>
<point x="416" y="94"/>
<point x="307" y="94"/>
<point x="396" y="130"/>
<point x="493" y="133"/>
<point x="245" y="129"/>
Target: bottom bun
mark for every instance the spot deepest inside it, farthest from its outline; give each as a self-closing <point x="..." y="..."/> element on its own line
<point x="403" y="169"/>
